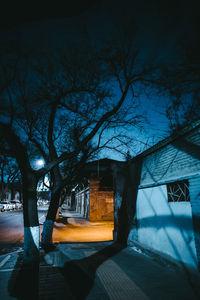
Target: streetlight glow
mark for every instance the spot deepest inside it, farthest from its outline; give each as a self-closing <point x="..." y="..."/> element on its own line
<point x="40" y="162"/>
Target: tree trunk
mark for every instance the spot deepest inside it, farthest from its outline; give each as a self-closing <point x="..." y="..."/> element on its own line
<point x="123" y="221"/>
<point x="3" y="192"/>
<point x="31" y="223"/>
<point x="57" y="214"/>
<point x="29" y="181"/>
<point x="126" y="222"/>
<point x="123" y="227"/>
<point x="50" y="218"/>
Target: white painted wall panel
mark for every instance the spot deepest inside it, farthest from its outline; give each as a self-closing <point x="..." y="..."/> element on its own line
<point x="166" y="227"/>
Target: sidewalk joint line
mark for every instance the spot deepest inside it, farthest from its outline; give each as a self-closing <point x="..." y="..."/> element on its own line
<point x="5" y="260"/>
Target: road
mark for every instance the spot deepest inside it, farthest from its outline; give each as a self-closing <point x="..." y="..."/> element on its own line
<point x="11" y="227"/>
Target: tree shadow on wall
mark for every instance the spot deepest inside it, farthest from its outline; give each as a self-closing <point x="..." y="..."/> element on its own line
<point x="168" y="222"/>
<point x="79" y="275"/>
<point x="188" y="147"/>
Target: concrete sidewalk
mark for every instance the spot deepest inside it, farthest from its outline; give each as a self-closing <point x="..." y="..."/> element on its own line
<point x="70" y="214"/>
<point x="76" y="218"/>
<point x="96" y="271"/>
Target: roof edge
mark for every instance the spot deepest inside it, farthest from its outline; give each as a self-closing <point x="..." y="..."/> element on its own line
<point x="168" y="140"/>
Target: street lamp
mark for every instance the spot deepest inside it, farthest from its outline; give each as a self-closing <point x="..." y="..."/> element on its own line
<point x="40" y="163"/>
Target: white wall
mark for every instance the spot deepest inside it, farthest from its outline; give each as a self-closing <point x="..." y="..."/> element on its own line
<point x="8" y="196"/>
<point x="166" y="226"/>
<point x="17" y="196"/>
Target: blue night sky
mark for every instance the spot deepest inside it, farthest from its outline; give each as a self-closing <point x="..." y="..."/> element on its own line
<point x="160" y="24"/>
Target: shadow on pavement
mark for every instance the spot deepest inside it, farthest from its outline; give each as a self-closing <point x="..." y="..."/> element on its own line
<point x="24" y="281"/>
<point x="63" y="220"/>
<point x="79" y="275"/>
<point x="10" y="247"/>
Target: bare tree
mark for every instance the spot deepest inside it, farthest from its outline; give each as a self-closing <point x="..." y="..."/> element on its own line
<point x="182" y="81"/>
<point x="9" y="173"/>
<point x="79" y="106"/>
<point x="65" y="109"/>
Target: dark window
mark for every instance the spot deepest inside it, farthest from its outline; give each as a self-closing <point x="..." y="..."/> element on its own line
<point x="178" y="191"/>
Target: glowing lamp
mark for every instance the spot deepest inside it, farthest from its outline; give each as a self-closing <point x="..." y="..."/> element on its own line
<point x="40" y="162"/>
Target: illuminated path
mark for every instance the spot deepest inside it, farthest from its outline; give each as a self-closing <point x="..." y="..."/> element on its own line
<point x="76" y="230"/>
<point x="80" y="230"/>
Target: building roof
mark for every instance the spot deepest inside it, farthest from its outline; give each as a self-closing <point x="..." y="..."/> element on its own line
<point x="182" y="131"/>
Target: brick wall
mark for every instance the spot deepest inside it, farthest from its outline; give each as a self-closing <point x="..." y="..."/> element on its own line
<point x="101" y="202"/>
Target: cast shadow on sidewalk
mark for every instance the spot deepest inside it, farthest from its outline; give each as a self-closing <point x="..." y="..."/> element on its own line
<point x="63" y="220"/>
<point x="79" y="275"/>
<point x="24" y="281"/>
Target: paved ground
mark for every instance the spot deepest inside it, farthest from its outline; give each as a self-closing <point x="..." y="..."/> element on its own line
<point x="12" y="230"/>
<point x="72" y="227"/>
<point x="94" y="271"/>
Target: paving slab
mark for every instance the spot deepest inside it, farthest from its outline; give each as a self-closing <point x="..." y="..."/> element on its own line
<point x="95" y="271"/>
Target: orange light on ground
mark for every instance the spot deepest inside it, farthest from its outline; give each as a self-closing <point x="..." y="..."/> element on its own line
<point x="80" y="230"/>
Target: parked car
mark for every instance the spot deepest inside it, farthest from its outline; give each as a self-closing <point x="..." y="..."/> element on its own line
<point x="17" y="204"/>
<point x="10" y="205"/>
<point x="45" y="202"/>
<point x="42" y="202"/>
<point x="2" y="207"/>
<point x="6" y="205"/>
<point x="64" y="206"/>
<point x="13" y="204"/>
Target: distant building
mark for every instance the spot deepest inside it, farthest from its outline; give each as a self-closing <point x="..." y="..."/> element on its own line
<point x="13" y="191"/>
<point x="93" y="197"/>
